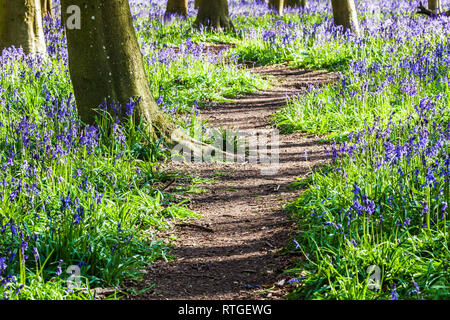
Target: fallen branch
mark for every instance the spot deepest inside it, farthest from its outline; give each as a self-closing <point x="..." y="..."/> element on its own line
<point x="169" y="184"/>
<point x="428" y="12"/>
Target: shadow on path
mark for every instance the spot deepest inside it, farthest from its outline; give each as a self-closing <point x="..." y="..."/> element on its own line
<point x="235" y="251"/>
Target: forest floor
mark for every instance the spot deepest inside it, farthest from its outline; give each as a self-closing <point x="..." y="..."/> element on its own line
<point x="237" y="249"/>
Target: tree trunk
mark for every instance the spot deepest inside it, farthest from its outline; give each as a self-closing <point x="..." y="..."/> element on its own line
<point x="277" y="5"/>
<point x="179" y="7"/>
<point x="435" y="6"/>
<point x="214" y="14"/>
<point x="344" y="13"/>
<point x="106" y="65"/>
<point x="295" y="3"/>
<point x="21" y="26"/>
<point x="47" y="8"/>
<point x="196" y="4"/>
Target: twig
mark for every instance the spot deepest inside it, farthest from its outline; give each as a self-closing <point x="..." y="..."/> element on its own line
<point x="168" y="185"/>
<point x="200" y="276"/>
<point x="248" y="271"/>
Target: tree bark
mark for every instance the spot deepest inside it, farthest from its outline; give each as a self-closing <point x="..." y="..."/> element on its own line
<point x="214" y="14"/>
<point x="435" y="6"/>
<point x="179" y="7"/>
<point x="295" y="3"/>
<point x="277" y="5"/>
<point x="46" y="8"/>
<point x="21" y="26"/>
<point x="344" y="13"/>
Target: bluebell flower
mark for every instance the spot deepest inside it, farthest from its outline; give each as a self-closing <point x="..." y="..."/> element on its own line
<point x="394" y="294"/>
<point x="58" y="269"/>
<point x="416" y="289"/>
<point x="19" y="289"/>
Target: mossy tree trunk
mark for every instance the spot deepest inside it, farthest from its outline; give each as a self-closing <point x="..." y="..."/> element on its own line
<point x="21" y="26"/>
<point x="47" y="8"/>
<point x="106" y="65"/>
<point x="295" y="3"/>
<point x="179" y="7"/>
<point x="344" y="13"/>
<point x="214" y="14"/>
<point x="435" y="6"/>
<point x="277" y="5"/>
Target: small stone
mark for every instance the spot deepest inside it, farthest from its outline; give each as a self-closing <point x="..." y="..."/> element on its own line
<point x="281" y="283"/>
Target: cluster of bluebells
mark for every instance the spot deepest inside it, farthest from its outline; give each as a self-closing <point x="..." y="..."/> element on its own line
<point x="37" y="150"/>
<point x="409" y="160"/>
<point x="156" y="53"/>
<point x="188" y="52"/>
<point x="56" y="38"/>
<point x="390" y="178"/>
<point x="407" y="78"/>
<point x="49" y="185"/>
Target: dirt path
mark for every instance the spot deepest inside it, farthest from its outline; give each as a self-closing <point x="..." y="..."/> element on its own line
<point x="233" y="251"/>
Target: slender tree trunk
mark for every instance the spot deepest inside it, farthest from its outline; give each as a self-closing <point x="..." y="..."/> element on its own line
<point x="196" y="4"/>
<point x="277" y="5"/>
<point x="214" y="14"/>
<point x="295" y="3"/>
<point x="21" y="25"/>
<point x="179" y="7"/>
<point x="47" y="8"/>
<point x="435" y="6"/>
<point x="344" y="13"/>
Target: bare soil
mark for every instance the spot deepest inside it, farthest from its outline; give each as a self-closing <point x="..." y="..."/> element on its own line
<point x="236" y="249"/>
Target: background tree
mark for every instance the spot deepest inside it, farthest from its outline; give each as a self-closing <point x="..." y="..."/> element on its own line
<point x="47" y="8"/>
<point x="106" y="65"/>
<point x="179" y="7"/>
<point x="277" y="5"/>
<point x="21" y="25"/>
<point x="214" y="14"/>
<point x="344" y="13"/>
<point x="435" y="6"/>
<point x="295" y="3"/>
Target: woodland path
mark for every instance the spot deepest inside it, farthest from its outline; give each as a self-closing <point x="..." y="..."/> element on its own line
<point x="235" y="250"/>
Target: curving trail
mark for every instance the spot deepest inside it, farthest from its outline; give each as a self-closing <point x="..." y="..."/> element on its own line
<point x="235" y="250"/>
